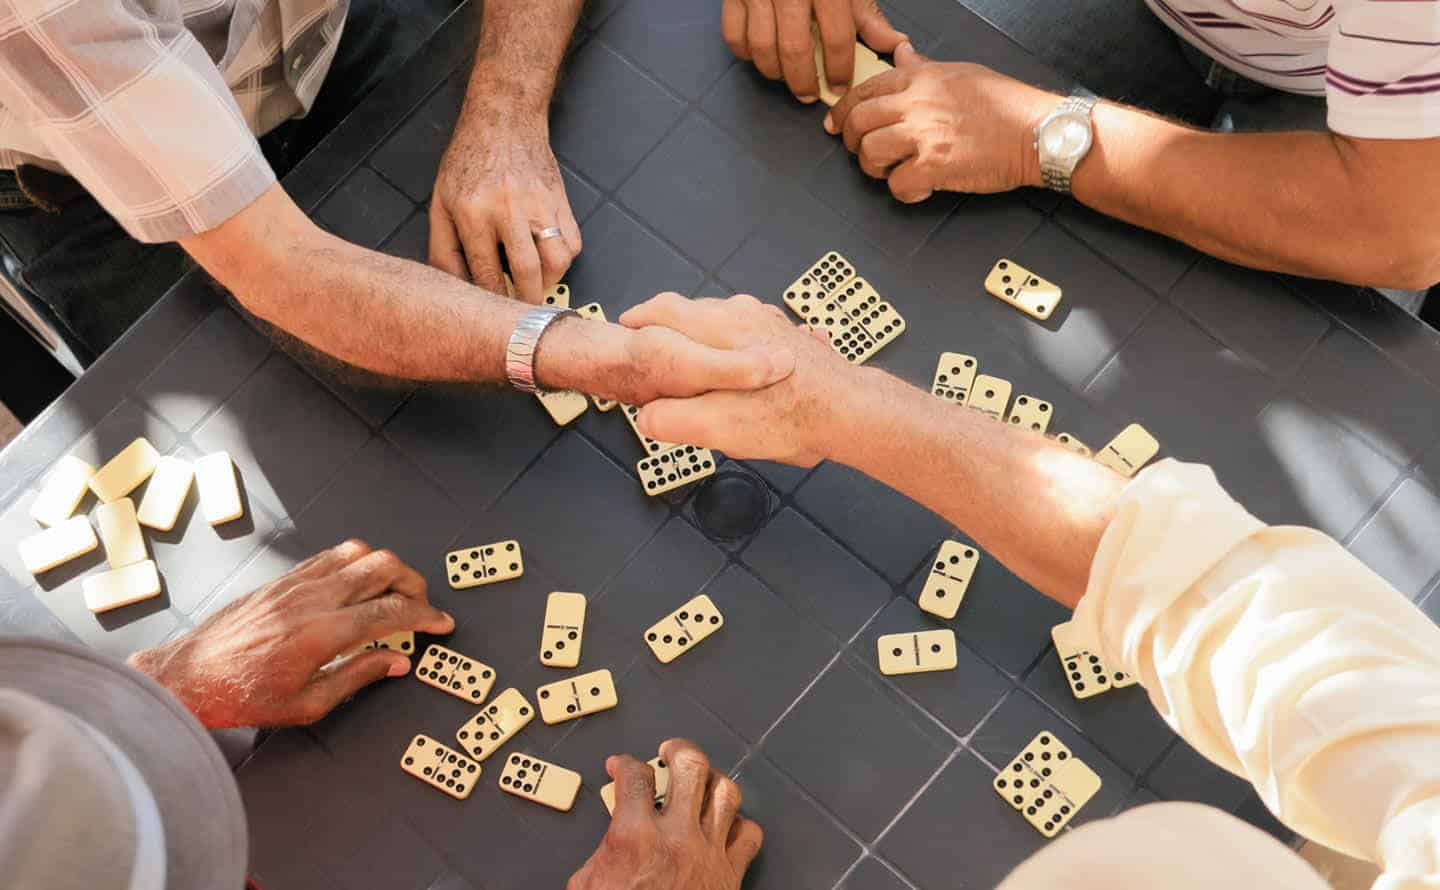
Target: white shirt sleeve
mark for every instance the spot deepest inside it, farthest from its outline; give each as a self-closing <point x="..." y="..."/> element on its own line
<point x="1280" y="656"/>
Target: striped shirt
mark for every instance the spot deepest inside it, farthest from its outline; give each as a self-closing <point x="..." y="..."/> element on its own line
<point x="1377" y="62"/>
<point x="154" y="106"/>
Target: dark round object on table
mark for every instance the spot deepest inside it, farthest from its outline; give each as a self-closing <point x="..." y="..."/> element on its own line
<point x="731" y="506"/>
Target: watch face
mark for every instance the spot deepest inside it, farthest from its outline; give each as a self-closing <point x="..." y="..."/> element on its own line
<point x="1065" y="137"/>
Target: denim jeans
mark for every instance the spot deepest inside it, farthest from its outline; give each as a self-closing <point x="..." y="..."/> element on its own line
<point x="93" y="280"/>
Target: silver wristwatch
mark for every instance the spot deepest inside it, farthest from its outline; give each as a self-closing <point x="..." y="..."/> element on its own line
<point x="1064" y="137"/>
<point x="525" y="342"/>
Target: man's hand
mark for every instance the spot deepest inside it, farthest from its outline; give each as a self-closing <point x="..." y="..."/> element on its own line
<point x="776" y="35"/>
<point x="638" y="366"/>
<point x="499" y="184"/>
<point x="786" y="421"/>
<point x="697" y="842"/>
<point x="265" y="660"/>
<point x="954" y="126"/>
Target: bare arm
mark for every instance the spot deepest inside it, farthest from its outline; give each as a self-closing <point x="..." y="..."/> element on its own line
<point x="1316" y="204"/>
<point x="499" y="185"/>
<point x="1004" y="487"/>
<point x="399" y="318"/>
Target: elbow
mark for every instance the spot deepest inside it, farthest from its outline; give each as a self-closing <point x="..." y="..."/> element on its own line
<point x="1414" y="261"/>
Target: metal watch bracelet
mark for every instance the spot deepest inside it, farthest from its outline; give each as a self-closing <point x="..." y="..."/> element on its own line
<point x="1056" y="177"/>
<point x="524" y="343"/>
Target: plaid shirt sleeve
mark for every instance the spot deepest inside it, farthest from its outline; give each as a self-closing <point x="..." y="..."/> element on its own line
<point x="132" y="107"/>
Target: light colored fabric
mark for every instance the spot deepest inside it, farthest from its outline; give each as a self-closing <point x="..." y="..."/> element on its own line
<point x="74" y="814"/>
<point x="154" y="105"/>
<point x="1377" y="62"/>
<point x="1165" y="846"/>
<point x="1279" y="656"/>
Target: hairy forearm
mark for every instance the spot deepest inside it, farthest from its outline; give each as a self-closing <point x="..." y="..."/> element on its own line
<point x="381" y="313"/>
<point x="1009" y="489"/>
<point x="522" y="43"/>
<point x="1306" y="203"/>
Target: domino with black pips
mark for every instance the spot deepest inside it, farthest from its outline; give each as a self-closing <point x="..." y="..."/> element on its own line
<point x="1130" y="450"/>
<point x="577" y="697"/>
<point x="679" y="632"/>
<point x="484" y="564"/>
<point x="990" y="395"/>
<point x="529" y="777"/>
<point x="662" y="785"/>
<point x="495" y="724"/>
<point x="949" y="578"/>
<point x="440" y="767"/>
<point x="1030" y="413"/>
<point x="563" y="631"/>
<point x="675" y="468"/>
<point x="453" y="672"/>
<point x="917" y="653"/>
<point x="954" y="376"/>
<point x="1012" y="283"/>
<point x="1085" y="668"/>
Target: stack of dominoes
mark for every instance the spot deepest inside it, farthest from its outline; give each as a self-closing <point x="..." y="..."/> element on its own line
<point x="831" y="297"/>
<point x="667" y="466"/>
<point x="132" y="576"/>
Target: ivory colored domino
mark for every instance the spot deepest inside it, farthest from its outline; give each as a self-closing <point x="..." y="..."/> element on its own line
<point x="125" y="471"/>
<point x="577" y="697"/>
<point x="57" y="544"/>
<point x="954" y="376"/>
<point x="219" y="490"/>
<point x="1129" y="451"/>
<point x="120" y="533"/>
<point x="64" y="488"/>
<point x="564" y="630"/>
<point x="662" y="786"/>
<point x="527" y="776"/>
<point x="651" y="446"/>
<point x="917" y="653"/>
<point x="1047" y="784"/>
<point x="990" y="395"/>
<point x="949" y="578"/>
<point x="867" y="65"/>
<point x="1073" y="444"/>
<point x="559" y="295"/>
<point x="439" y="767"/>
<point x="563" y="406"/>
<point x="486" y="732"/>
<point x="864" y="323"/>
<point x="121" y="587"/>
<point x="460" y="675"/>
<point x="675" y="468"/>
<point x="166" y="493"/>
<point x="807" y="295"/>
<point x="1030" y="413"/>
<point x="679" y="632"/>
<point x="1012" y="283"/>
<point x="1085" y="669"/>
<point x="484" y="564"/>
<point x="400" y="641"/>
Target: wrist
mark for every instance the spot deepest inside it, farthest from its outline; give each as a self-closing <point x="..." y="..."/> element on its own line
<point x="580" y="354"/>
<point x="846" y="415"/>
<point x="496" y="94"/>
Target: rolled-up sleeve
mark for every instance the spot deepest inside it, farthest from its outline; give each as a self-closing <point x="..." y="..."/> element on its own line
<point x="1281" y="657"/>
<point x="132" y="106"/>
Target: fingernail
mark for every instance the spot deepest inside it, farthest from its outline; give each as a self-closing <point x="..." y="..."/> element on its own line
<point x="809" y="100"/>
<point x="399" y="668"/>
<point x="830" y="123"/>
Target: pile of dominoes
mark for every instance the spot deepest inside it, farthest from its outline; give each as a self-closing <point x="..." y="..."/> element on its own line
<point x="666" y="465"/>
<point x="132" y="576"/>
<point x="562" y="635"/>
<point x="833" y="298"/>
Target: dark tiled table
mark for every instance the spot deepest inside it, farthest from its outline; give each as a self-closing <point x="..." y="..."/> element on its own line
<point x="1316" y="403"/>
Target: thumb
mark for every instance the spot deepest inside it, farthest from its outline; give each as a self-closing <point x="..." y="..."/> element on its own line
<point x="336" y="683"/>
<point x="694" y="420"/>
<point x="876" y="31"/>
<point x="907" y="56"/>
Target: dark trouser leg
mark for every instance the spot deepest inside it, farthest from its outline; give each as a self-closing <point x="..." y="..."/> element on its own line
<point x="1115" y="47"/>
